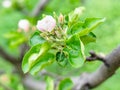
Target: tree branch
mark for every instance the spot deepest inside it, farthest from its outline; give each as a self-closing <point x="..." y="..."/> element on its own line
<point x="39" y="7"/>
<point x="16" y="62"/>
<point x="23" y="49"/>
<point x="36" y="11"/>
<point x="8" y="57"/>
<point x="33" y="84"/>
<point x="94" y="79"/>
<point x="93" y="57"/>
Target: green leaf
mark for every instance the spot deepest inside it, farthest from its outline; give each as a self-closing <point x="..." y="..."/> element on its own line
<point x="88" y="38"/>
<point x="75" y="48"/>
<point x="92" y="21"/>
<point x="50" y="83"/>
<point x="65" y="84"/>
<point x="62" y="58"/>
<point x="90" y="24"/>
<point x="34" y="50"/>
<point x="66" y="18"/>
<point x="15" y="38"/>
<point x="36" y="39"/>
<point x="75" y="28"/>
<point x="12" y="35"/>
<point x="76" y="58"/>
<point x="17" y="42"/>
<point x="74" y="42"/>
<point x="34" y="55"/>
<point x="42" y="62"/>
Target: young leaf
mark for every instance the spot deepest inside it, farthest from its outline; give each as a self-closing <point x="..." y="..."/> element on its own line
<point x="15" y="38"/>
<point x="90" y="24"/>
<point x="50" y="83"/>
<point x="36" y="39"/>
<point x="74" y="42"/>
<point x="62" y="58"/>
<point x="75" y="28"/>
<point x="16" y="42"/>
<point x="65" y="84"/>
<point x="75" y="48"/>
<point x="33" y="55"/>
<point x="33" y="50"/>
<point x="42" y="62"/>
<point x="92" y="21"/>
<point x="76" y="58"/>
<point x="88" y="38"/>
<point x="12" y="35"/>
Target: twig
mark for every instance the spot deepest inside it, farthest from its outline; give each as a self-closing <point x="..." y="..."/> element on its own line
<point x="41" y="4"/>
<point x="93" y="57"/>
<point x="8" y="57"/>
<point x="16" y="62"/>
<point x="36" y="11"/>
<point x="23" y="49"/>
<point x="94" y="79"/>
<point x="83" y="2"/>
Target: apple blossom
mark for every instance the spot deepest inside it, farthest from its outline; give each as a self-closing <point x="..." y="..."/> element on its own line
<point x="24" y="24"/>
<point x="6" y="3"/>
<point x="46" y="24"/>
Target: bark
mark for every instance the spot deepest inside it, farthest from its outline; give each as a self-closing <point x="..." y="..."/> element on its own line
<point x="8" y="57"/>
<point x="32" y="84"/>
<point x="41" y="4"/>
<point x="92" y="80"/>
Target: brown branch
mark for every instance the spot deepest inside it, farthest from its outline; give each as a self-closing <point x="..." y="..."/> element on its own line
<point x="83" y="2"/>
<point x="94" y="79"/>
<point x="16" y="62"/>
<point x="94" y="57"/>
<point x="8" y="57"/>
<point x="36" y="11"/>
<point x="32" y="84"/>
<point x="23" y="49"/>
<point x="41" y="4"/>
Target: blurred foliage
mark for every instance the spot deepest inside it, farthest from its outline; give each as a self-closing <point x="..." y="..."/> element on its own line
<point x="107" y="34"/>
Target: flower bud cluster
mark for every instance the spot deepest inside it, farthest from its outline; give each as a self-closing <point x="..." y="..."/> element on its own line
<point x="51" y="28"/>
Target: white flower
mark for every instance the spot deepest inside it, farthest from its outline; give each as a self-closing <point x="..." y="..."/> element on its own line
<point x="6" y="3"/>
<point x="46" y="24"/>
<point x="24" y="25"/>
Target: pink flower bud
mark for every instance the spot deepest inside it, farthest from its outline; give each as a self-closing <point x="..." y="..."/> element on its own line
<point x="61" y="18"/>
<point x="46" y="24"/>
<point x="24" y="25"/>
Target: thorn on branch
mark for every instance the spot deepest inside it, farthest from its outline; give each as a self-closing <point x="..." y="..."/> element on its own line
<point x="93" y="57"/>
